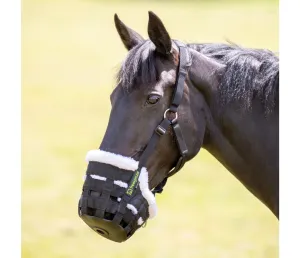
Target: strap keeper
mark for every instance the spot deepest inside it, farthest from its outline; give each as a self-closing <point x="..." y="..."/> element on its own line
<point x="173" y="108"/>
<point x="160" y="130"/>
<point x="182" y="72"/>
<point x="184" y="153"/>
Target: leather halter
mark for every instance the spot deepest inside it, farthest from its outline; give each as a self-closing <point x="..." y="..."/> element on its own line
<point x="161" y="129"/>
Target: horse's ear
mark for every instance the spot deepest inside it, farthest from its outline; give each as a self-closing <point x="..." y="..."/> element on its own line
<point x="129" y="37"/>
<point x="159" y="35"/>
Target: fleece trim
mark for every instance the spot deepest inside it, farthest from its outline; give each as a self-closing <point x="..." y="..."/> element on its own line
<point x="112" y="159"/>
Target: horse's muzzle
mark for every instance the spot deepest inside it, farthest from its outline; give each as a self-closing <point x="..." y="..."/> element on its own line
<point x="112" y="203"/>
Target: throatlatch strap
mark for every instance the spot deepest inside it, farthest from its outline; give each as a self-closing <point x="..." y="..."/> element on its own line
<point x="179" y="165"/>
<point x="180" y="140"/>
<point x="160" y="187"/>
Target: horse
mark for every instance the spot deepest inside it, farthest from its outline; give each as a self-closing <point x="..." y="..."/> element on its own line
<point x="171" y="100"/>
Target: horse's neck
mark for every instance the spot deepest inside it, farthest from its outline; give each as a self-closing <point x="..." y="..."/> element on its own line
<point x="247" y="145"/>
<point x="241" y="148"/>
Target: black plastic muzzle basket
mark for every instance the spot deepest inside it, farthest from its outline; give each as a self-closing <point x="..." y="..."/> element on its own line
<point x="109" y="207"/>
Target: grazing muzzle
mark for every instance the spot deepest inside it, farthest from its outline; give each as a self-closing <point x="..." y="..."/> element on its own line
<point x="116" y="199"/>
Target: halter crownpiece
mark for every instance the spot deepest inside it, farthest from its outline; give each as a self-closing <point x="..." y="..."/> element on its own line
<point x="116" y="199"/>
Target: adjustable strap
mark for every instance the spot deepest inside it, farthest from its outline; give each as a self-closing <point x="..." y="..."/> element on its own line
<point x="160" y="187"/>
<point x="105" y="195"/>
<point x="180" y="140"/>
<point x="127" y="196"/>
<point x="160" y="130"/>
<point x="181" y="161"/>
<point x="179" y="165"/>
<point x="184" y="63"/>
<point x="121" y="209"/>
<point x="182" y="70"/>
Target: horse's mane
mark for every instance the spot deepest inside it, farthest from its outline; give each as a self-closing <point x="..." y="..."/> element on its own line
<point x="139" y="67"/>
<point x="249" y="73"/>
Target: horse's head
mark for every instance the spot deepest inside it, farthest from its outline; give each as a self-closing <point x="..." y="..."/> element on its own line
<point x="155" y="125"/>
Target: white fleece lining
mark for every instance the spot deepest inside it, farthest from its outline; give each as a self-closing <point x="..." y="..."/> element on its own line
<point x="128" y="164"/>
<point x="112" y="159"/>
<point x="98" y="177"/>
<point x="147" y="194"/>
<point x="132" y="208"/>
<point x="116" y="182"/>
<point x="140" y="221"/>
<point x="134" y="212"/>
<point x="121" y="183"/>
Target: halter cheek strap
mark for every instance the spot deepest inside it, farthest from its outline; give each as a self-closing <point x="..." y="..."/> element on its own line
<point x="161" y="129"/>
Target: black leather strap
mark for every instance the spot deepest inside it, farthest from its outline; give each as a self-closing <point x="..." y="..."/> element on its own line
<point x="182" y="70"/>
<point x="160" y="187"/>
<point x="105" y="195"/>
<point x="160" y="130"/>
<point x="121" y="209"/>
<point x="180" y="140"/>
<point x="181" y="75"/>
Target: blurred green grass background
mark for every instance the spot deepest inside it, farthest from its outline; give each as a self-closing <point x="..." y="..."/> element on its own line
<point x="70" y="54"/>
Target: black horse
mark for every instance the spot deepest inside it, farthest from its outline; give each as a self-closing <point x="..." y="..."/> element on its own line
<point x="225" y="99"/>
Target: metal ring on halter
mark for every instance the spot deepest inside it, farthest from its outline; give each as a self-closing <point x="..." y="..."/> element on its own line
<point x="176" y="116"/>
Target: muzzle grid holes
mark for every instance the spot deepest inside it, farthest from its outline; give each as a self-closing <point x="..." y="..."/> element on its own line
<point x="115" y="202"/>
<point x="94" y="194"/>
<point x="123" y="223"/>
<point x="109" y="216"/>
<point x="91" y="211"/>
<point x="114" y="198"/>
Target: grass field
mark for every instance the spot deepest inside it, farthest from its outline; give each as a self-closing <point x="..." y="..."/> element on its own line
<point x="70" y="53"/>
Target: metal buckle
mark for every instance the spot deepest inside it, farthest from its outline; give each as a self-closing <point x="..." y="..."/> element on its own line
<point x="160" y="130"/>
<point x="176" y="116"/>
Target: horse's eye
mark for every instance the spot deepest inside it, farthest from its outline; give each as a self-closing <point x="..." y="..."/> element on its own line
<point x="153" y="99"/>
